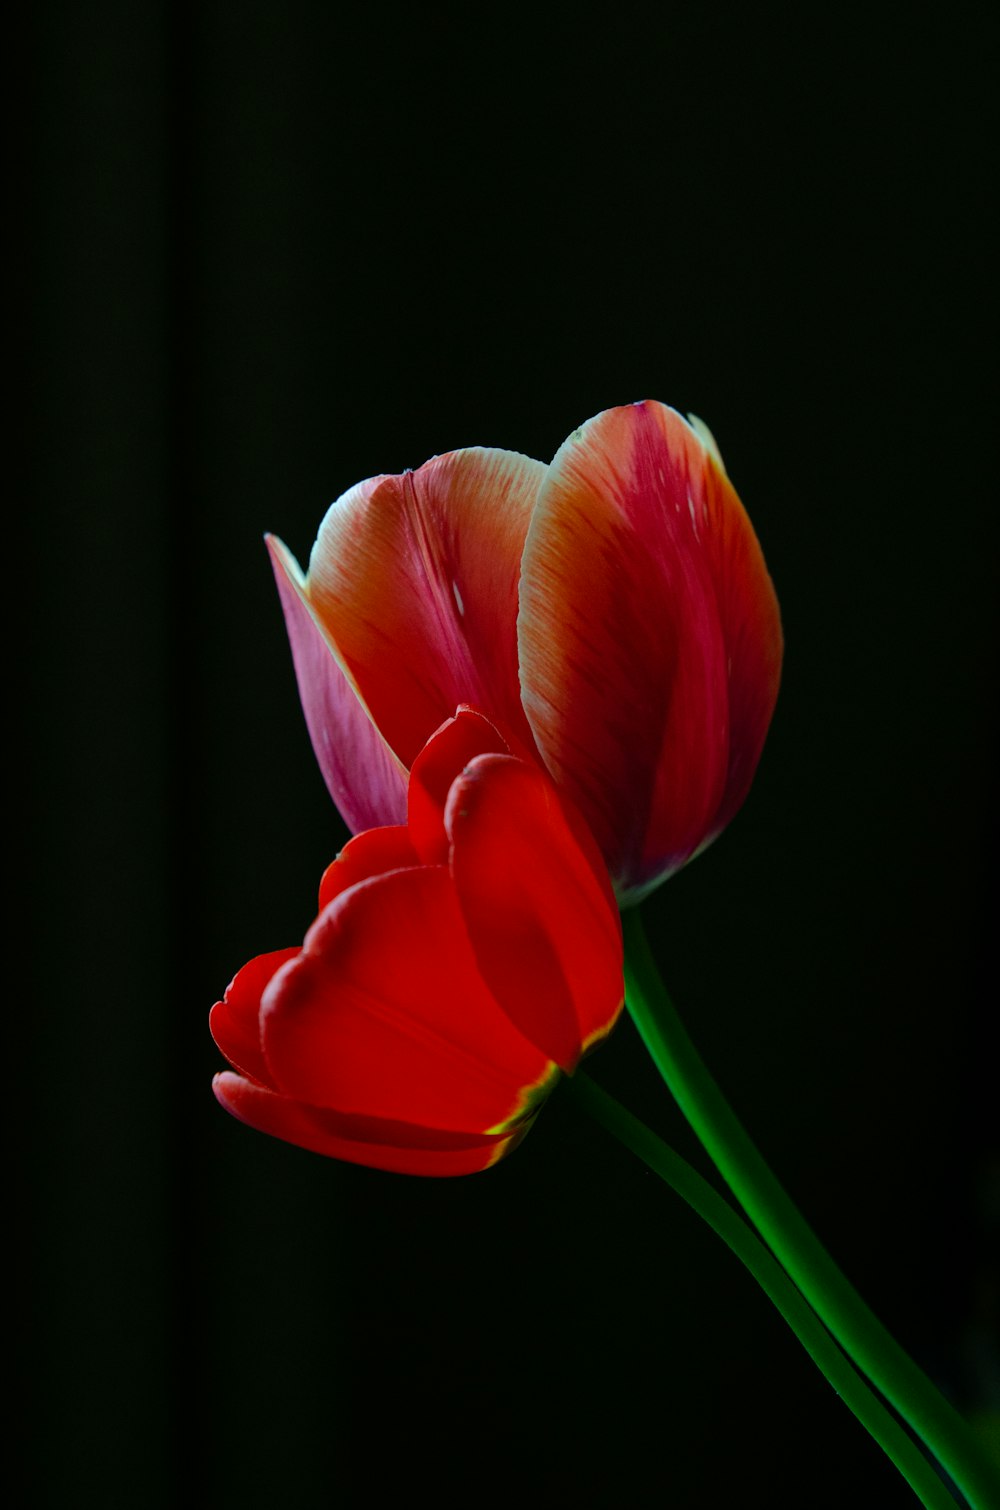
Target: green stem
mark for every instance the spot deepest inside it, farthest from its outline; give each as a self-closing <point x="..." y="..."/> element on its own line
<point x="743" y="1241"/>
<point x="802" y="1255"/>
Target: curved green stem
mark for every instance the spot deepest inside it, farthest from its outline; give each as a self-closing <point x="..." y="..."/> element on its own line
<point x="834" y="1299"/>
<point x="743" y="1241"/>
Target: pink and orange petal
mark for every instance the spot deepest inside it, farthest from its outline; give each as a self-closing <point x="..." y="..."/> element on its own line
<point x="414" y="580"/>
<point x="364" y="778"/>
<point x="649" y="638"/>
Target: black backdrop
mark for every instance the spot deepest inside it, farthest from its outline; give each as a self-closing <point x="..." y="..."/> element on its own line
<point x="276" y="251"/>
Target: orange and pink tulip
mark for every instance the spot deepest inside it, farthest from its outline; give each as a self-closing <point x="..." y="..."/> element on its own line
<point x="611" y="613"/>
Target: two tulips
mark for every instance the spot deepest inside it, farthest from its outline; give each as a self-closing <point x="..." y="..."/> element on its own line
<point x="534" y="693"/>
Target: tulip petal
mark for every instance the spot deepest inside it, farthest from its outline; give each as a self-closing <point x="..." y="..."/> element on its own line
<point x="440" y="761"/>
<point x="544" y="927"/>
<point x="751" y="627"/>
<point x="364" y="779"/>
<point x="369" y="854"/>
<point x="649" y="636"/>
<point x="384" y="1014"/>
<point x="414" y="579"/>
<point x="386" y="1147"/>
<point x="234" y="1022"/>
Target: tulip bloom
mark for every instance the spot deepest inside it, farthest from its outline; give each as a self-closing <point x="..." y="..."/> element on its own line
<point x="611" y="613"/>
<point x="459" y="965"/>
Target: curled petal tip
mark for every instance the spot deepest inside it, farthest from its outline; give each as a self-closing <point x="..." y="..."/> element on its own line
<point x="707" y="439"/>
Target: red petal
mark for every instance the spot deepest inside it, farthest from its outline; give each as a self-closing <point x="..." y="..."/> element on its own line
<point x="369" y="854"/>
<point x="442" y="758"/>
<point x="322" y="1132"/>
<point x="364" y="779"/>
<point x="414" y="578"/>
<point x="649" y="638"/>
<point x="234" y="1021"/>
<point x="544" y="927"/>
<point x="384" y="1014"/>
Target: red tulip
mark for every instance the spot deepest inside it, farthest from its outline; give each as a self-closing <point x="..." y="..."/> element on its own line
<point x="611" y="613"/>
<point x="460" y="963"/>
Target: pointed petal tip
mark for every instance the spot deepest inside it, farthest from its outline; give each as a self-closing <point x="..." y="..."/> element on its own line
<point x="284" y="559"/>
<point x="629" y="415"/>
<point x="364" y="778"/>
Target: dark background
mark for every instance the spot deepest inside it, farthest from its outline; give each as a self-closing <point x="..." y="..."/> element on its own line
<point x="274" y="251"/>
